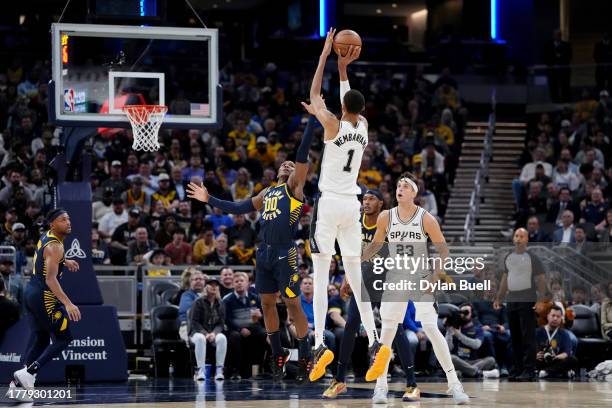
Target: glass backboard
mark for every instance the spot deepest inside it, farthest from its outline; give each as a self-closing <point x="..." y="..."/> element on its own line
<point x="99" y="69"/>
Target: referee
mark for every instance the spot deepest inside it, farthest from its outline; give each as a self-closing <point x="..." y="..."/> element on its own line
<point x="522" y="280"/>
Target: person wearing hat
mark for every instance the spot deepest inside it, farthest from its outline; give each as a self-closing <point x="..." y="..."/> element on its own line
<point x="113" y="219"/>
<point x="206" y="328"/>
<point x="262" y="152"/>
<point x="156" y="262"/>
<point x="135" y="196"/>
<point x="166" y="192"/>
<point x="123" y="234"/>
<point x="10" y="218"/>
<point x="100" y="208"/>
<point x="116" y="180"/>
<point x="48" y="307"/>
<point x="431" y="157"/>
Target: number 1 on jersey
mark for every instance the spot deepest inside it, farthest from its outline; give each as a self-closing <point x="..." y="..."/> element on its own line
<point x="347" y="168"/>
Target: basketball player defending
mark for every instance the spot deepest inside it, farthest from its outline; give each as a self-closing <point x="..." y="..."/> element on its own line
<point x="48" y="306"/>
<point x="337" y="211"/>
<point x="412" y="225"/>
<point x="372" y="206"/>
<point x="276" y="256"/>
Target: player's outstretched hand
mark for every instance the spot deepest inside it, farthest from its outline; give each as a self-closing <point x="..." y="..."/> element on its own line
<point x="329" y="42"/>
<point x="200" y="192"/>
<point x="72" y="265"/>
<point x="350" y="56"/>
<point x="73" y="312"/>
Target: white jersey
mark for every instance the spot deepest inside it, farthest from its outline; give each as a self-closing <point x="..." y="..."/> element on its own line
<point x="342" y="159"/>
<point x="407" y="237"/>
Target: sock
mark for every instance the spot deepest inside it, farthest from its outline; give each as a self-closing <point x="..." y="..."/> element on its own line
<point x="275" y="343"/>
<point x="441" y="351"/>
<point x="381" y="382"/>
<point x="352" y="267"/>
<point x="387" y="333"/>
<point x="33" y="368"/>
<point x="341" y="372"/>
<point x="321" y="264"/>
<point x="303" y="348"/>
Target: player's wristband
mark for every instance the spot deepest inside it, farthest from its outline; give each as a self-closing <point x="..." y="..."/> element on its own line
<point x="240" y="207"/>
<point x="302" y="153"/>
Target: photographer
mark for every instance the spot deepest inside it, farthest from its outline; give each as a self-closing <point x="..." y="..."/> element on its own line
<point x="554" y="358"/>
<point x="464" y="338"/>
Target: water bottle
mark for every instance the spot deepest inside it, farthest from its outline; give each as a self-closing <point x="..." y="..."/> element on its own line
<point x="171" y="370"/>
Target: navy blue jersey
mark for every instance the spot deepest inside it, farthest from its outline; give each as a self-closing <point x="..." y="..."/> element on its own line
<point x="39" y="272"/>
<point x="279" y="216"/>
<point x="367" y="232"/>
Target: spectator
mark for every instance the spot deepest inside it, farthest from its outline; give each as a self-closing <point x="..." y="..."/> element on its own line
<point x="598" y="296"/>
<point x="156" y="262"/>
<point x="197" y="282"/>
<point x="368" y="175"/>
<point x="242" y="188"/>
<point x="176" y="176"/>
<point x="124" y="234"/>
<point x="109" y="222"/>
<point x="605" y="231"/>
<point x="242" y="231"/>
<point x="104" y="206"/>
<point x="432" y="160"/>
<point x="268" y="180"/>
<point x="184" y="217"/>
<point x="535" y="233"/>
<point x="534" y="204"/>
<point x="579" y="295"/>
<point x="164" y="235"/>
<point x="464" y="343"/>
<point x="10" y="218"/>
<point x="12" y="281"/>
<point x="139" y="246"/>
<point x="307" y="306"/>
<point x="116" y="182"/>
<point x="207" y="325"/>
<point x="178" y="250"/>
<point x="556" y="210"/>
<point x="9" y="310"/>
<point x="528" y="173"/>
<point x="554" y="356"/>
<point x="166" y="193"/>
<point x="185" y="285"/>
<point x="243" y="317"/>
<point x="242" y="136"/>
<point x="606" y="315"/>
<point x="262" y="152"/>
<point x="594" y="211"/>
<point x="100" y="255"/>
<point x="219" y="221"/>
<point x="227" y="281"/>
<point x="14" y="185"/>
<point x="136" y="197"/>
<point x="203" y="246"/>
<point x="221" y="255"/>
<point x="521" y="284"/>
<point x="149" y="182"/>
<point x="195" y="169"/>
<point x="581" y="245"/>
<point x="413" y="329"/>
<point x="566" y="234"/>
<point x="17" y="240"/>
<point x="426" y="199"/>
<point x="244" y="161"/>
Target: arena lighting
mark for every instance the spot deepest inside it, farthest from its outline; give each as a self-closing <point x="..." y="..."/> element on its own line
<point x="322" y="18"/>
<point x="419" y="14"/>
<point x="142" y="8"/>
<point x="494" y="19"/>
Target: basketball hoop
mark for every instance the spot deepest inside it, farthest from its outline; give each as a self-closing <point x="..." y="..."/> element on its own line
<point x="145" y="120"/>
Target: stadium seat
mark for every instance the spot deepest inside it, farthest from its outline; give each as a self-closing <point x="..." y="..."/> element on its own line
<point x="591" y="346"/>
<point x="167" y="295"/>
<point x="156" y="290"/>
<point x="167" y="347"/>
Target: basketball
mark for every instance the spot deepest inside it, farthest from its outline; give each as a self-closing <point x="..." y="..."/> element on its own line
<point x="344" y="39"/>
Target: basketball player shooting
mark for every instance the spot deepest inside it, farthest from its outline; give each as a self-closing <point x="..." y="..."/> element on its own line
<point x="276" y="256"/>
<point x="407" y="228"/>
<point x="49" y="309"/>
<point x="337" y="210"/>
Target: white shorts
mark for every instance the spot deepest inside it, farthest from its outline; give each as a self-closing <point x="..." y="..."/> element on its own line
<point x="336" y="216"/>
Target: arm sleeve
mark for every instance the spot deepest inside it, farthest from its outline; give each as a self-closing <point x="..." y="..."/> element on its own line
<point x="240" y="207"/>
<point x="344" y="88"/>
<point x="302" y="153"/>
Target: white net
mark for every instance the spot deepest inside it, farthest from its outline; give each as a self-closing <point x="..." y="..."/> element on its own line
<point x="145" y="120"/>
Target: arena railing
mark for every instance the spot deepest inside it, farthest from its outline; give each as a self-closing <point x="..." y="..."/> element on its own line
<point x="482" y="175"/>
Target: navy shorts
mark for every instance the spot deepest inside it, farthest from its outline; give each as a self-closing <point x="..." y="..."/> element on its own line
<point x="46" y="312"/>
<point x="277" y="270"/>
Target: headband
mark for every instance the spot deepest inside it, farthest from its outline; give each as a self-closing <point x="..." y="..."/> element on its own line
<point x="376" y="194"/>
<point x="56" y="213"/>
<point x="412" y="183"/>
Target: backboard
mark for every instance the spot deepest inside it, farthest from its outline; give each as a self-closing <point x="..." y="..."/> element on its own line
<point x="99" y="69"/>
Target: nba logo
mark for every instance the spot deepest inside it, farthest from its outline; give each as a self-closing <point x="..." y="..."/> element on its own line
<point x="69" y="100"/>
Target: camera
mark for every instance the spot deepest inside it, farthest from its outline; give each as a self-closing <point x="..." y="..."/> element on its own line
<point x="455" y="319"/>
<point x="549" y="355"/>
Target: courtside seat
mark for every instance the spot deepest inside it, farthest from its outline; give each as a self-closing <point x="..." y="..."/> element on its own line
<point x="167" y="347"/>
<point x="592" y="348"/>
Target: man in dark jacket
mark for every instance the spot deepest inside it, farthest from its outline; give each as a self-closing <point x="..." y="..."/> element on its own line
<point x="207" y="321"/>
<point x="244" y="323"/>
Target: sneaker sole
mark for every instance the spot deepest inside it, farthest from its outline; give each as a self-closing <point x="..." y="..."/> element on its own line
<point x="411" y="399"/>
<point x="342" y="391"/>
<point x="380" y="362"/>
<point x="318" y="370"/>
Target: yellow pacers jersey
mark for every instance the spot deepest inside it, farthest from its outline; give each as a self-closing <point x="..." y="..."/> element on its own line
<point x="279" y="216"/>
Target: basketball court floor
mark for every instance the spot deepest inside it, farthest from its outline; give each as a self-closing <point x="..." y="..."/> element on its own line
<point x="266" y="394"/>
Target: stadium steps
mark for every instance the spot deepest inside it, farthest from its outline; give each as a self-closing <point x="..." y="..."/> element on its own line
<point x="497" y="206"/>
